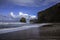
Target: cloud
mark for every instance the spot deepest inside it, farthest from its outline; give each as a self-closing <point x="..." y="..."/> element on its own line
<point x="23" y="2"/>
<point x="21" y="14"/>
<point x="27" y="16"/>
<point x="33" y="17"/>
<point x="33" y="3"/>
<point x="47" y="2"/>
<point x="11" y="14"/>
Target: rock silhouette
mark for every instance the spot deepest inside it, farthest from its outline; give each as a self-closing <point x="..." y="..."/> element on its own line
<point x="50" y="15"/>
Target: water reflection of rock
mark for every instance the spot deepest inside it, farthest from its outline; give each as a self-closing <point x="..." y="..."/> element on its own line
<point x="50" y="32"/>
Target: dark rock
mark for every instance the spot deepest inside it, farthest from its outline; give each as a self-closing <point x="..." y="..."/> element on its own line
<point x="50" y="15"/>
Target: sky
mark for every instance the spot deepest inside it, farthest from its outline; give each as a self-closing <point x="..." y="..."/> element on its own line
<point x="29" y="7"/>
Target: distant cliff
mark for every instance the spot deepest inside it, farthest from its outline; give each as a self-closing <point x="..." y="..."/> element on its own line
<point x="51" y="14"/>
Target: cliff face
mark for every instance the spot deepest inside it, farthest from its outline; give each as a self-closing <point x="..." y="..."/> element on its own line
<point x="51" y="14"/>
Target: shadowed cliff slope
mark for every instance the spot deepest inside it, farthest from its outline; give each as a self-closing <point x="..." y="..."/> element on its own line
<point x="50" y="15"/>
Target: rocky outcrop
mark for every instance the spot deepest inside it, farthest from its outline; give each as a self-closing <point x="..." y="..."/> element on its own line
<point x="50" y="15"/>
